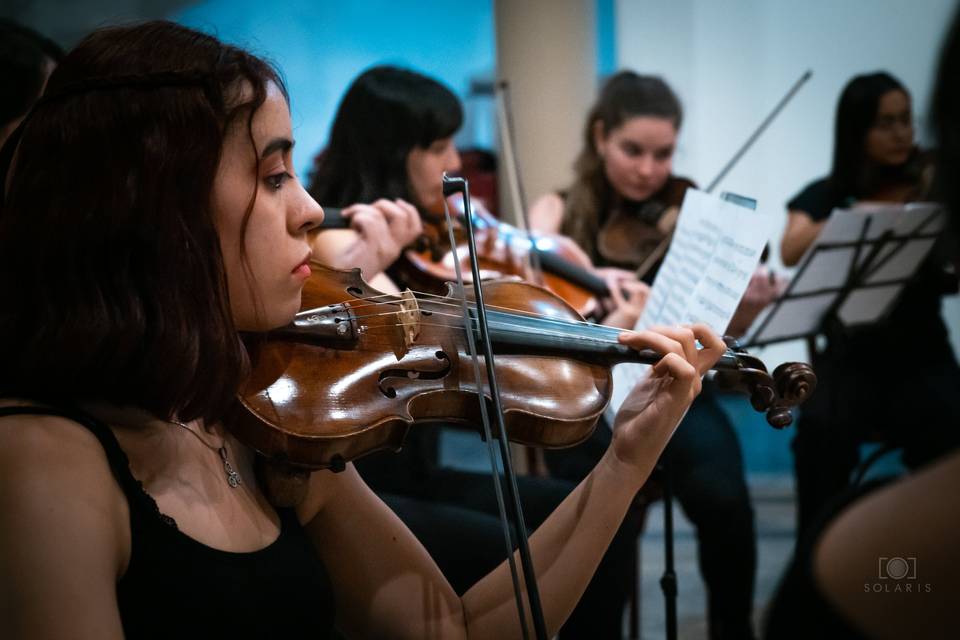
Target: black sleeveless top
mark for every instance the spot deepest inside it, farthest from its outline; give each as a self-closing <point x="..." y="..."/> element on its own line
<point x="176" y="586"/>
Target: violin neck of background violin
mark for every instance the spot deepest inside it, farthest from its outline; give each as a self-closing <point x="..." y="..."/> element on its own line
<point x="333" y="218"/>
<point x="557" y="265"/>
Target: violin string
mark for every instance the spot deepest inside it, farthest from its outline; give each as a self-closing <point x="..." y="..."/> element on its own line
<point x="443" y="301"/>
<point x="497" y="324"/>
<point x="562" y="327"/>
<point x="388" y="298"/>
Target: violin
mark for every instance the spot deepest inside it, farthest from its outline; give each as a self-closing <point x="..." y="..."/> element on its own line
<point x="631" y="235"/>
<point x="357" y="369"/>
<point x="912" y="184"/>
<point x="428" y="265"/>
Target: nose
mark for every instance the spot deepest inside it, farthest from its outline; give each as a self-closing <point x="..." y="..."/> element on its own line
<point x="644" y="166"/>
<point x="904" y="132"/>
<point x="453" y="161"/>
<point x="306" y="214"/>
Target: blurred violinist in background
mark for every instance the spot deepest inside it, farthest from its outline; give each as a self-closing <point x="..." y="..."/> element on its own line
<point x="875" y="159"/>
<point x="392" y="138"/>
<point x="621" y="207"/>
<point x="879" y="560"/>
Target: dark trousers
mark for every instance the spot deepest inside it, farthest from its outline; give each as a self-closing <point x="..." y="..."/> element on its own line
<point x="708" y="480"/>
<point x="454" y="515"/>
<point x="913" y="405"/>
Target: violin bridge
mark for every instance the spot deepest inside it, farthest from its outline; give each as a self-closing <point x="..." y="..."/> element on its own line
<point x="409" y="318"/>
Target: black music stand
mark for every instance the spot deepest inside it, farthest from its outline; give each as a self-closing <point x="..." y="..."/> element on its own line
<point x="854" y="272"/>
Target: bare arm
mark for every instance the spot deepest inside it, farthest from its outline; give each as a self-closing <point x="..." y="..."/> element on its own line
<point x="546" y="218"/>
<point x="916" y="519"/>
<point x="546" y="214"/>
<point x="800" y="233"/>
<point x="387" y="584"/>
<point x="63" y="538"/>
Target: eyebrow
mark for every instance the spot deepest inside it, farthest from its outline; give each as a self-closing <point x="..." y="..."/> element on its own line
<point x="277" y="144"/>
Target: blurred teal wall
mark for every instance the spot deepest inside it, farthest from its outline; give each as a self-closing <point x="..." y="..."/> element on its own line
<point x="320" y="46"/>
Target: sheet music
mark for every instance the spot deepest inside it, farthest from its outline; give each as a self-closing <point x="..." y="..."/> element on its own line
<point x="714" y="251"/>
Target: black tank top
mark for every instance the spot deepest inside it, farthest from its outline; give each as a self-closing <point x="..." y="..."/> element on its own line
<point x="176" y="586"/>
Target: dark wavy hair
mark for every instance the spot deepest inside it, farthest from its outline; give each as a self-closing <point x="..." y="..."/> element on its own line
<point x="111" y="274"/>
<point x="851" y="173"/>
<point x="385" y="114"/>
<point x="625" y="95"/>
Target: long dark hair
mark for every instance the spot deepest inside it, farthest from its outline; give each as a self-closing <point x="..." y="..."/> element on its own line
<point x="624" y="96"/>
<point x="111" y="274"/>
<point x="851" y="174"/>
<point x="385" y="114"/>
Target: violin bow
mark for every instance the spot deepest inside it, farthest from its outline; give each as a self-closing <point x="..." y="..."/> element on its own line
<point x="512" y="171"/>
<point x="661" y="248"/>
<point x="450" y="187"/>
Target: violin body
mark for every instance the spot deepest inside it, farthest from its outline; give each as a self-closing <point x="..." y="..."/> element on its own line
<point x="362" y="380"/>
<point x="628" y="238"/>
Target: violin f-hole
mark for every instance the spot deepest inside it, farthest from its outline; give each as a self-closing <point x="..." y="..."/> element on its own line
<point x="389" y="379"/>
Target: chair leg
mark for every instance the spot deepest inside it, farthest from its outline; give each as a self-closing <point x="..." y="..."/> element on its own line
<point x="635" y="598"/>
<point x="640" y="509"/>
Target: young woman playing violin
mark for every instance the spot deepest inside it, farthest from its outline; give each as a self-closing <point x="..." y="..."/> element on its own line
<point x="405" y="122"/>
<point x="874" y="159"/>
<point x="409" y="165"/>
<point x="623" y="202"/>
<point x="158" y="167"/>
<point x="846" y="577"/>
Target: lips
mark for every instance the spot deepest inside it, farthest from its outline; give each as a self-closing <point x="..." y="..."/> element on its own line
<point x="302" y="269"/>
<point x="305" y="261"/>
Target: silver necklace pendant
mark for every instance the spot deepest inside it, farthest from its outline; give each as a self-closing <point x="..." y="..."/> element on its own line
<point x="233" y="478"/>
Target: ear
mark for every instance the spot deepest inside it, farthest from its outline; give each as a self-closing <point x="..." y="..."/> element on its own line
<point x="599" y="138"/>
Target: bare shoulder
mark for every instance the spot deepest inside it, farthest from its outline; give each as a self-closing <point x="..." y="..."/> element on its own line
<point x="546" y="213"/>
<point x="63" y="530"/>
<point x="54" y="475"/>
<point x="889" y="561"/>
<point x="58" y="444"/>
<point x="46" y="459"/>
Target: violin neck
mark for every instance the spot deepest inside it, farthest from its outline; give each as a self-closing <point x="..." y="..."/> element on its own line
<point x="532" y="335"/>
<point x="557" y="265"/>
<point x="333" y="218"/>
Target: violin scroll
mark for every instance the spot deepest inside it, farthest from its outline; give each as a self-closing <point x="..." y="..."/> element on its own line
<point x="789" y="386"/>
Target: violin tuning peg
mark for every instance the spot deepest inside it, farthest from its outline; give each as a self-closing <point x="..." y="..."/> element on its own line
<point x="779" y="417"/>
<point x="762" y="397"/>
